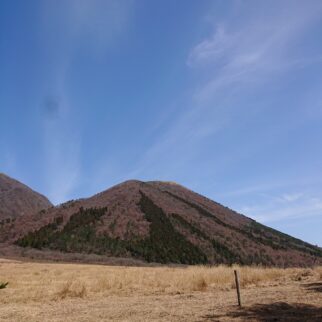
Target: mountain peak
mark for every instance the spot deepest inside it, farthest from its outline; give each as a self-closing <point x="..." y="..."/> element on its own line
<point x="158" y="221"/>
<point x="167" y="183"/>
<point x="17" y="199"/>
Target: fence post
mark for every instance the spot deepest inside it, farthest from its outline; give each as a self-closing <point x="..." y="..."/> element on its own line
<point x="237" y="287"/>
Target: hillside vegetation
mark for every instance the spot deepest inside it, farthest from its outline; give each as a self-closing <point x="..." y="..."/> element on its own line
<point x="164" y="223"/>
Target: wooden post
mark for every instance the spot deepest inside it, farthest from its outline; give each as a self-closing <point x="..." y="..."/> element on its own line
<point x="237" y="287"/>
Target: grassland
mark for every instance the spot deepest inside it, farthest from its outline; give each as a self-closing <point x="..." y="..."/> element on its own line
<point x="81" y="292"/>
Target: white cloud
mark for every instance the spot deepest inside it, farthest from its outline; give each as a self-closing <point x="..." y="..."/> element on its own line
<point x="69" y="25"/>
<point x="173" y="149"/>
<point x="286" y="206"/>
<point x="98" y="20"/>
<point x="62" y="144"/>
<point x="254" y="50"/>
<point x="290" y="197"/>
<point x="213" y="49"/>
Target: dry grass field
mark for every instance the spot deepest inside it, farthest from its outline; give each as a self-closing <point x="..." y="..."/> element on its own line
<point x="83" y="292"/>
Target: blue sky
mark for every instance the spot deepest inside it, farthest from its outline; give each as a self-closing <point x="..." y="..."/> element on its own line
<point x="224" y="97"/>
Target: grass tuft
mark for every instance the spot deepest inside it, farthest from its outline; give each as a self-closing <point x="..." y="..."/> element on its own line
<point x="71" y="290"/>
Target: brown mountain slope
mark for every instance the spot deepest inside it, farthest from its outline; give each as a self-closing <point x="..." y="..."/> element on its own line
<point x="158" y="222"/>
<point x="16" y="199"/>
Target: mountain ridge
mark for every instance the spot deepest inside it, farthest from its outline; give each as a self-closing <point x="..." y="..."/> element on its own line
<point x="160" y="222"/>
<point x="17" y="199"/>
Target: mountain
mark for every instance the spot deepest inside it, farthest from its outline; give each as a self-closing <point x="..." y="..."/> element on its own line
<point x="160" y="222"/>
<point x="16" y="199"/>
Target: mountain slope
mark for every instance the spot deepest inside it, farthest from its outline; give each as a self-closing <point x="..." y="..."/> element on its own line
<point x="159" y="222"/>
<point x="16" y="199"/>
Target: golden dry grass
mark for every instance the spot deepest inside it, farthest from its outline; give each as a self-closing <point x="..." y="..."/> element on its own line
<point x="32" y="284"/>
<point x="50" y="282"/>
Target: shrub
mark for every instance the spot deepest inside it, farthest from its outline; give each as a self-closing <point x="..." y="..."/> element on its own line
<point x="3" y="285"/>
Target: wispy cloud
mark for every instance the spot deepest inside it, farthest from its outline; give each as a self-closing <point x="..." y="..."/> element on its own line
<point x="250" y="51"/>
<point x="247" y="191"/>
<point x="173" y="149"/>
<point x="267" y="201"/>
<point x="289" y="206"/>
<point x="62" y="144"/>
<point x="68" y="26"/>
<point x="257" y="48"/>
<point x="291" y="197"/>
<point x="98" y="22"/>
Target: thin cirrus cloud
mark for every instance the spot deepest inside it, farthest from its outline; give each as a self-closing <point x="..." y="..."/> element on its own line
<point x="282" y="200"/>
<point x="255" y="49"/>
<point x="277" y="209"/>
<point x="278" y="201"/>
<point x="67" y="27"/>
<point x="62" y="144"/>
<point x="242" y="53"/>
